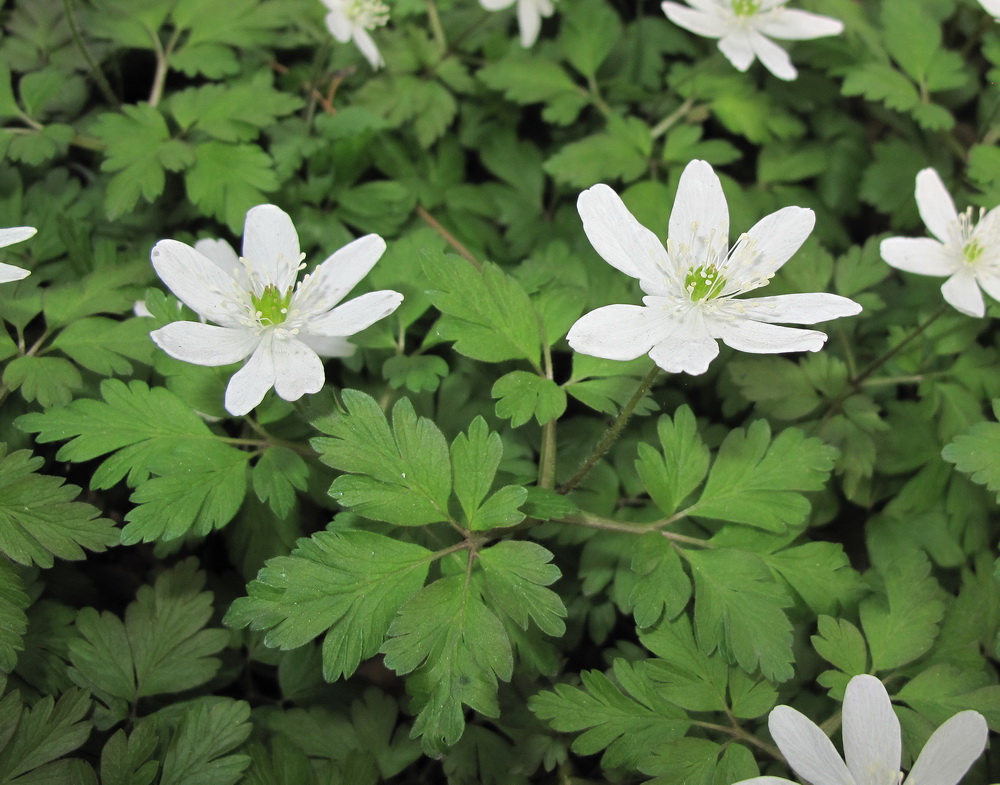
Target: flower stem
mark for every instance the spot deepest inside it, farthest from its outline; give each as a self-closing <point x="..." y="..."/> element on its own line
<point x="449" y="238"/>
<point x="547" y="451"/>
<point x="878" y="363"/>
<point x="436" y="30"/>
<point x="671" y="119"/>
<point x="613" y="432"/>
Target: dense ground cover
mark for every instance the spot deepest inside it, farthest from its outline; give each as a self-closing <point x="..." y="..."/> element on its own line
<point x="500" y="519"/>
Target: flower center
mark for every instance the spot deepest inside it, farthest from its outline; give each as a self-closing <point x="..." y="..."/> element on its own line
<point x="367" y="14"/>
<point x="704" y="283"/>
<point x="745" y="7"/>
<point x="271" y="306"/>
<point x="972" y="251"/>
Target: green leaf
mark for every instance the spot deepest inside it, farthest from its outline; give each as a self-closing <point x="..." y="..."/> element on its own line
<point x="111" y="289"/>
<point x="516" y="574"/>
<point x="39" y="518"/>
<point x="197" y="753"/>
<point x="620" y="154"/>
<point x="106" y="345"/>
<point x="942" y="690"/>
<point x="13" y="620"/>
<point x="49" y="380"/>
<point x="683" y="672"/>
<point x="400" y="475"/>
<point x="977" y="453"/>
<point x="880" y="82"/>
<point x="627" y="725"/>
<point x="671" y="476"/>
<point x="348" y="584"/>
<point x="458" y="648"/>
<point x="684" y="144"/>
<point x="226" y="180"/>
<point x="687" y="761"/>
<point x="739" y="610"/>
<point x="162" y="646"/>
<point x="32" y="739"/>
<point x="778" y="387"/>
<point x="591" y="30"/>
<point x="913" y="37"/>
<point x="522" y="395"/>
<point x="125" y="760"/>
<point x="475" y="457"/>
<point x="607" y="385"/>
<point x="278" y="473"/>
<point x="841" y="644"/>
<point x="487" y="314"/>
<point x="820" y="573"/>
<point x="527" y="79"/>
<point x="418" y="373"/>
<point x="757" y="481"/>
<point x="662" y="588"/>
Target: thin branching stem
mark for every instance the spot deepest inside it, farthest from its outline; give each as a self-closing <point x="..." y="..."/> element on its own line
<point x="449" y="238"/>
<point x="95" y="69"/>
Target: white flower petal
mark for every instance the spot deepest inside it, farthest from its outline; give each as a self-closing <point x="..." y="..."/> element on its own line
<point x="807" y="749"/>
<point x="496" y="5"/>
<point x="617" y="332"/>
<point x="961" y="291"/>
<point x="989" y="280"/>
<point x="10" y="272"/>
<point x="950" y="750"/>
<point x="937" y="209"/>
<point x="699" y="220"/>
<point x="250" y="383"/>
<point x="334" y="278"/>
<point x="767" y="246"/>
<point x="271" y="245"/>
<point x="16" y="234"/>
<point x="766" y="781"/>
<point x="357" y="314"/>
<point x="698" y="22"/>
<point x="738" y="50"/>
<point x="205" y="344"/>
<point x="774" y="58"/>
<point x="992" y="7"/>
<point x="745" y="335"/>
<point x="797" y="308"/>
<point x="198" y="283"/>
<point x="221" y="253"/>
<point x="297" y="368"/>
<point x="366" y="44"/>
<point x="687" y="348"/>
<point x="794" y="25"/>
<point x="619" y="238"/>
<point x="872" y="739"/>
<point x="920" y="255"/>
<point x="529" y="21"/>
<point x="328" y="345"/>
<point x="340" y="29"/>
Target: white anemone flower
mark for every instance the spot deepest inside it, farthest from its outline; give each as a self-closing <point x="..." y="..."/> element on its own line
<point x="965" y="251"/>
<point x="354" y="19"/>
<point x="9" y="272"/>
<point x="745" y="29"/>
<point x="872" y="744"/>
<point x="992" y="7"/>
<point x="529" y="15"/>
<point x="259" y="312"/>
<point x="691" y="285"/>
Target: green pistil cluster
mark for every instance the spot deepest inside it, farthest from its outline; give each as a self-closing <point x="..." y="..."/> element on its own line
<point x="704" y="283"/>
<point x="272" y="305"/>
<point x="746" y="7"/>
<point x="972" y="251"/>
<point x="368" y="14"/>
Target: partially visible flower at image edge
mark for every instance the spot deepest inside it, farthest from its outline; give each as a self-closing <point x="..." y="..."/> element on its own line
<point x="262" y="314"/>
<point x="691" y="285"/>
<point x="992" y="7"/>
<point x="965" y="251"/>
<point x="872" y="744"/>
<point x="10" y="272"/>
<point x="744" y="29"/>
<point x="529" y="15"/>
<point x="353" y="20"/>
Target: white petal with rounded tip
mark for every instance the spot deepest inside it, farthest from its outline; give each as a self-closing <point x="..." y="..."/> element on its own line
<point x="738" y="50"/>
<point x="334" y="278"/>
<point x="992" y="6"/>
<point x="529" y="21"/>
<point x="774" y="58"/>
<point x="271" y="245"/>
<point x="10" y="272"/>
<point x="961" y="291"/>
<point x="872" y="739"/>
<point x="699" y="220"/>
<point x="768" y="245"/>
<point x="618" y="237"/>
<point x="921" y="255"/>
<point x="807" y="749"/>
<point x="250" y="383"/>
<point x="617" y="332"/>
<point x="297" y="368"/>
<point x="366" y="44"/>
<point x="796" y="308"/>
<point x="950" y="750"/>
<point x="745" y="335"/>
<point x="937" y="209"/>
<point x="496" y="5"/>
<point x="16" y="234"/>
<point x="708" y="25"/>
<point x="686" y="348"/>
<point x="327" y="345"/>
<point x="793" y="25"/>
<point x="355" y="315"/>
<point x="205" y="344"/>
<point x="340" y="29"/>
<point x="989" y="281"/>
<point x="198" y="283"/>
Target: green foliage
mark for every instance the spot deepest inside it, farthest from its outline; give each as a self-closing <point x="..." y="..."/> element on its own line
<point x="522" y="395"/>
<point x="200" y="750"/>
<point x="977" y="453"/>
<point x="13" y="621"/>
<point x="34" y="739"/>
